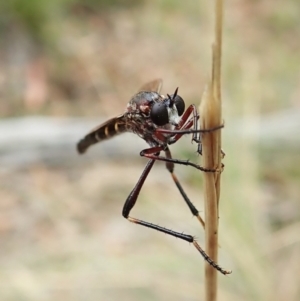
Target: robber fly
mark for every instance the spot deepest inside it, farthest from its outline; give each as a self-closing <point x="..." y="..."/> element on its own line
<point x="161" y="121"/>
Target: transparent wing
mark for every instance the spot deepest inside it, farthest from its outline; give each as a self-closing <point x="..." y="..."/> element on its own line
<point x="153" y="86"/>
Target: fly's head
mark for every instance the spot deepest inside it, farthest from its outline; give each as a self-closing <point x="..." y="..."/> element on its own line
<point x="168" y="110"/>
<point x="155" y="108"/>
<point x="147" y="111"/>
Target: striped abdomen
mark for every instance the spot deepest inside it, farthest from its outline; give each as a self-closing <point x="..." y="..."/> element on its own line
<point x="106" y="130"/>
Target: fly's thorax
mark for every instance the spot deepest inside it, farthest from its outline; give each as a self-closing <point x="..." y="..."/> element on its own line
<point x="142" y="102"/>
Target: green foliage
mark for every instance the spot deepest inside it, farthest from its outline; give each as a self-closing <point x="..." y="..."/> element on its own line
<point x="35" y="16"/>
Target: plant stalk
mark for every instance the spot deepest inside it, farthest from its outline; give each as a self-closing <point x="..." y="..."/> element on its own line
<point x="211" y="116"/>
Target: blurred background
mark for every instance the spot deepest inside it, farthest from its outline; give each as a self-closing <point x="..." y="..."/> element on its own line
<point x="66" y="66"/>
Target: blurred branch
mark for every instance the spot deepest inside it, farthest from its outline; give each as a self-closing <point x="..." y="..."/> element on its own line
<point x="32" y="139"/>
<point x="24" y="141"/>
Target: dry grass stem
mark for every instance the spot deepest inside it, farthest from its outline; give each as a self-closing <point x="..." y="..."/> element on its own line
<point x="211" y="116"/>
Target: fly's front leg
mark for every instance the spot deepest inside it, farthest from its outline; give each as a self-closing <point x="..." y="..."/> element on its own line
<point x="190" y="119"/>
